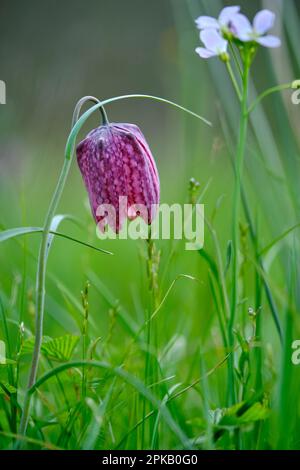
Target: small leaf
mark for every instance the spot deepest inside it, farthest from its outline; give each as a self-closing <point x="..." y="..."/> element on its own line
<point x="57" y="349"/>
<point x="60" y="349"/>
<point x="245" y="413"/>
<point x="28" y="344"/>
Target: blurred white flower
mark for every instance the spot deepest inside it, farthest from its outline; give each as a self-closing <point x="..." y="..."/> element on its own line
<point x="222" y="23"/>
<point x="214" y="44"/>
<point x="262" y="23"/>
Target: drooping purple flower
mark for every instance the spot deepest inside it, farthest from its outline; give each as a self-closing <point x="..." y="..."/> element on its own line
<point x="262" y="23"/>
<point x="214" y="44"/>
<point x="117" y="165"/>
<point x="222" y="23"/>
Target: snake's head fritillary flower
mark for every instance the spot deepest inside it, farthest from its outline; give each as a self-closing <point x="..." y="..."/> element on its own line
<point x="222" y="23"/>
<point x="214" y="44"/>
<point x="116" y="165"/>
<point x="262" y="23"/>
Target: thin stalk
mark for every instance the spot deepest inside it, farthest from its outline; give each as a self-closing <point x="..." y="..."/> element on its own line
<point x="236" y="59"/>
<point x="239" y="163"/>
<point x="150" y="366"/>
<point x="41" y="274"/>
<point x="258" y="299"/>
<point x="269" y="91"/>
<point x="85" y="305"/>
<point x="253" y="235"/>
<point x="233" y="79"/>
<point x="10" y="370"/>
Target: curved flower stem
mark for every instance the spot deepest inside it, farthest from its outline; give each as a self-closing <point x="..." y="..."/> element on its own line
<point x="233" y="79"/>
<point x="79" y="105"/>
<point x="268" y="92"/>
<point x="239" y="163"/>
<point x="72" y="137"/>
<point x="77" y="123"/>
<point x="41" y="271"/>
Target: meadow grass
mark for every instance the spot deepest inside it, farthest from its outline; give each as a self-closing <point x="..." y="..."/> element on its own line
<point x="135" y="351"/>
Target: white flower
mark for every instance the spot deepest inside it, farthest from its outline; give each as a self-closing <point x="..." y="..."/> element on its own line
<point x="262" y="23"/>
<point x="222" y="23"/>
<point x="214" y="44"/>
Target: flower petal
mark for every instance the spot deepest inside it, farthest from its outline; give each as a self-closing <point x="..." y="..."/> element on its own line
<point x="227" y="13"/>
<point x="263" y="21"/>
<point x="269" y="41"/>
<point x="119" y="171"/>
<point x="205" y="53"/>
<point x="241" y="27"/>
<point x="213" y="41"/>
<point x="204" y="22"/>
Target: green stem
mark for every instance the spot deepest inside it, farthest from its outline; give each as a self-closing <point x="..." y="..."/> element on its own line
<point x="79" y="105"/>
<point x="268" y="92"/>
<point x="268" y="292"/>
<point x="236" y="59"/>
<point x="41" y="272"/>
<point x="40" y="292"/>
<point x="239" y="163"/>
<point x="233" y="79"/>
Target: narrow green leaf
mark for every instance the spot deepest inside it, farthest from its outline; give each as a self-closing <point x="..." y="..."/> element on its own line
<point x="6" y="388"/>
<point x="16" y="232"/>
<point x="63" y="235"/>
<point x="278" y="239"/>
<point x="2" y="353"/>
<point x="205" y="255"/>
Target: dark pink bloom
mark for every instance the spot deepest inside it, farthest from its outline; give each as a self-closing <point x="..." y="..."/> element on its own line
<point x="116" y="165"/>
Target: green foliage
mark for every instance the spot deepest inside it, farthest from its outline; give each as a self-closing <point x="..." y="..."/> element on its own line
<point x="244" y="413"/>
<point x="56" y="349"/>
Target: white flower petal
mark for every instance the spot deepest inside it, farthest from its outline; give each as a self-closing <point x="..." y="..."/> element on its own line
<point x="227" y="14"/>
<point x="241" y="27"/>
<point x="263" y="21"/>
<point x="205" y="53"/>
<point x="269" y="41"/>
<point x="213" y="41"/>
<point x="204" y="22"/>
